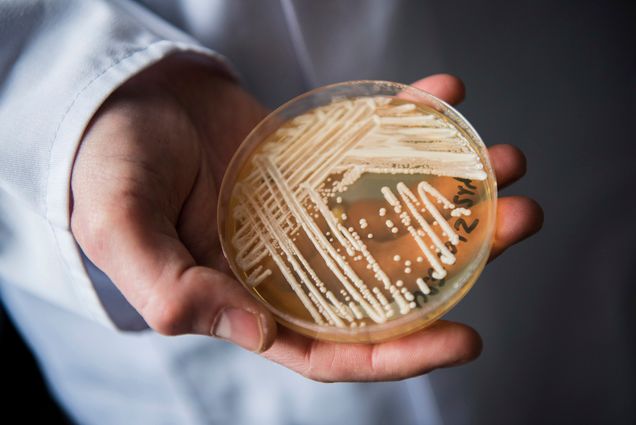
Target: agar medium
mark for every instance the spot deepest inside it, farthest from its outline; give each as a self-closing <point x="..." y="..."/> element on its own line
<point x="360" y="211"/>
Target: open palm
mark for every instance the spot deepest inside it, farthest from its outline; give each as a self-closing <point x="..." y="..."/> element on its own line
<point x="144" y="211"/>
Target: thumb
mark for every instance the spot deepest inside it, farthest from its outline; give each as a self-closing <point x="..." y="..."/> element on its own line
<point x="140" y="250"/>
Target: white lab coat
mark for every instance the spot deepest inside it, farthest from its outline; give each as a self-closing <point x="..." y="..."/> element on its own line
<point x="59" y="60"/>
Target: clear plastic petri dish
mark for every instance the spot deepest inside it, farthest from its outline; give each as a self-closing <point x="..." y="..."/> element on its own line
<point x="359" y="211"/>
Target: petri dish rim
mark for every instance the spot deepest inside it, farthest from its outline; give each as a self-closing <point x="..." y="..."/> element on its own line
<point x="321" y="96"/>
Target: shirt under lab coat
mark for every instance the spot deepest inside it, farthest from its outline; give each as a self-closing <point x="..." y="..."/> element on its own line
<point x="59" y="60"/>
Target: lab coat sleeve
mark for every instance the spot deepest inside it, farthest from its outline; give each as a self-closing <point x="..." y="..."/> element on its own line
<point x="59" y="60"/>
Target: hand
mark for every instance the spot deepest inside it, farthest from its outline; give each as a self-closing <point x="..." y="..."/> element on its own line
<point x="144" y="211"/>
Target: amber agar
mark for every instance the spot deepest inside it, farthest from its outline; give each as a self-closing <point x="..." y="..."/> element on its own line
<point x="359" y="211"/>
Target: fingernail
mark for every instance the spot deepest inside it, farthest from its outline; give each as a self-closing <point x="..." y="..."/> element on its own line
<point x="240" y="327"/>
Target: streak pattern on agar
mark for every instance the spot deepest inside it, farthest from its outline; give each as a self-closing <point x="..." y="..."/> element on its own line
<point x="311" y="162"/>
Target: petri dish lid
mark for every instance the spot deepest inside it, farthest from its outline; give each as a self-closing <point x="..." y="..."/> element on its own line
<point x="359" y="211"/>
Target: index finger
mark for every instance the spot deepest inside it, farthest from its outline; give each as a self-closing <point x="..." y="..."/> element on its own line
<point x="441" y="344"/>
<point x="444" y="86"/>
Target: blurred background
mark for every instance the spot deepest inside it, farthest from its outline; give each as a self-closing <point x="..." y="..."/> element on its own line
<point x="556" y="78"/>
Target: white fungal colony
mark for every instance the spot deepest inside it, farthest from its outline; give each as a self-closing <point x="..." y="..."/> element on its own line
<point x="310" y="163"/>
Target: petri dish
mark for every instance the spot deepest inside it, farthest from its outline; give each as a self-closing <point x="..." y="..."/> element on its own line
<point x="359" y="211"/>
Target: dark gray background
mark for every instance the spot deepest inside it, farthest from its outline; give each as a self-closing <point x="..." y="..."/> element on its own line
<point x="557" y="312"/>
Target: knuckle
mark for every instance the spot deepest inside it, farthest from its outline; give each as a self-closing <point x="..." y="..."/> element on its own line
<point x="375" y="359"/>
<point x="91" y="230"/>
<point x="313" y="364"/>
<point x="316" y="376"/>
<point x="169" y="318"/>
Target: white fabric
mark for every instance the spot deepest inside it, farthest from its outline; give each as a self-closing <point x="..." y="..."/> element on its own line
<point x="59" y="60"/>
<point x="143" y="378"/>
